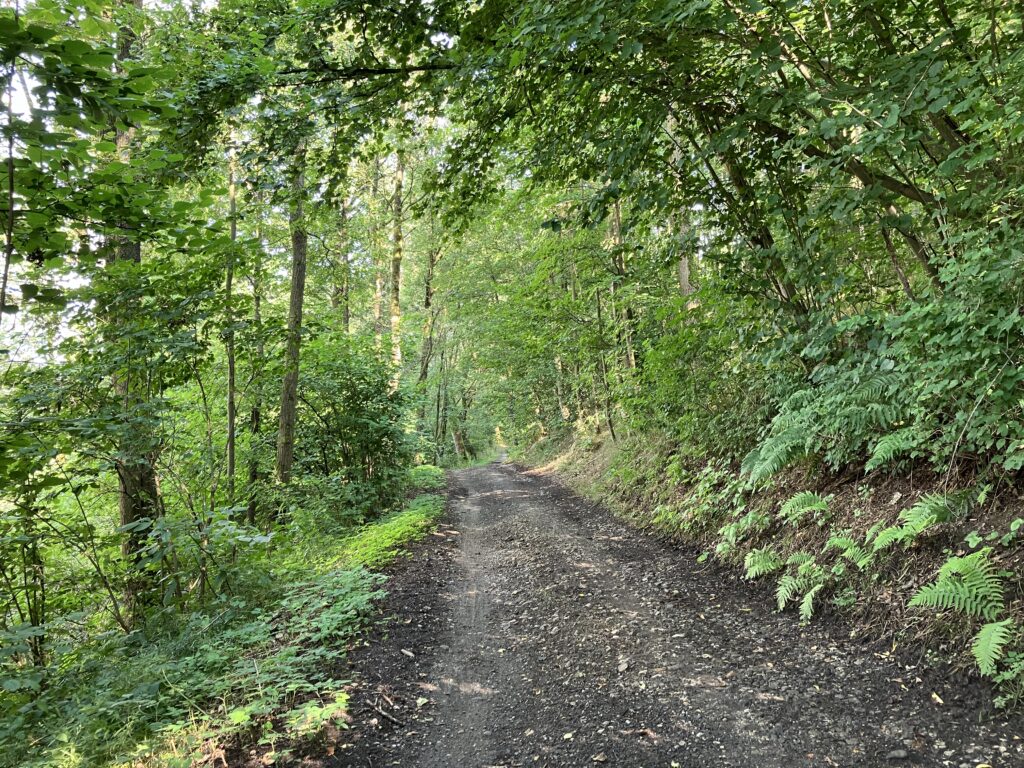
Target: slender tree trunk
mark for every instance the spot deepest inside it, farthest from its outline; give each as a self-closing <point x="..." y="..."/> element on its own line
<point x="229" y="338"/>
<point x="603" y="366"/>
<point x="427" y="345"/>
<point x="9" y="222"/>
<point x="620" y="274"/>
<point x="344" y="295"/>
<point x="681" y="233"/>
<point x="397" y="247"/>
<point x="897" y="267"/>
<point x="256" y="412"/>
<point x="378" y="274"/>
<point x="138" y="489"/>
<point x="290" y="383"/>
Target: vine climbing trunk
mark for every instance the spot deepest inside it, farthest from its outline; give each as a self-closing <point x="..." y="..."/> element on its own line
<point x="290" y="382"/>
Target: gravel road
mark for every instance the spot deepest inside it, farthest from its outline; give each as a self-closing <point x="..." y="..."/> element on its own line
<point x="534" y="629"/>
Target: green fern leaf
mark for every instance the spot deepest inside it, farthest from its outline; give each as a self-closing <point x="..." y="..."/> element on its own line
<point x="807" y="604"/>
<point x="799" y="558"/>
<point x="990" y="643"/>
<point x="892" y="445"/>
<point x="969" y="585"/>
<point x="759" y="562"/>
<point x="887" y="537"/>
<point x="789" y="587"/>
<point x="794" y="510"/>
<point x="774" y="454"/>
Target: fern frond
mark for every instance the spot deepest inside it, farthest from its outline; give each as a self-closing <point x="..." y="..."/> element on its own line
<point x="842" y="543"/>
<point x="759" y="562"/>
<point x="750" y="461"/>
<point x="851" y="550"/>
<point x="990" y="643"/>
<point x="774" y="454"/>
<point x="789" y="587"/>
<point x="892" y="445"/>
<point x="929" y="510"/>
<point x="799" y="558"/>
<point x="887" y="537"/>
<point x="969" y="585"/>
<point x="807" y="604"/>
<point x="794" y="510"/>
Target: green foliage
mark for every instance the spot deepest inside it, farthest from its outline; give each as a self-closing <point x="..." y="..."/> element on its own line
<point x="930" y="510"/>
<point x="258" y="665"/>
<point x="970" y="585"/>
<point x="990" y="644"/>
<point x="745" y="523"/>
<point x="774" y="454"/>
<point x="895" y="444"/>
<point x="427" y="477"/>
<point x="851" y="550"/>
<point x="803" y="580"/>
<point x="759" y="562"/>
<point x="803" y="504"/>
<point x="379" y="543"/>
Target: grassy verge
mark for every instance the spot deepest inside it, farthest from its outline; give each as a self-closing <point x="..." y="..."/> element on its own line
<point x="258" y="666"/>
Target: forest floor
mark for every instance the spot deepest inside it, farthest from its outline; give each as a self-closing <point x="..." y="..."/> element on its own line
<point x="535" y="629"/>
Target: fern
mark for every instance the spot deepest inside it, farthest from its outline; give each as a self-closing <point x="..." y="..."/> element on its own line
<point x="761" y="561"/>
<point x="990" y="644"/>
<point x="808" y="580"/>
<point x="969" y="585"/>
<point x="930" y="510"/>
<point x="851" y="550"/>
<point x="800" y="558"/>
<point x="789" y="587"/>
<point x="807" y="604"/>
<point x="887" y="537"/>
<point x="774" y="454"/>
<point x="794" y="510"/>
<point x="892" y="445"/>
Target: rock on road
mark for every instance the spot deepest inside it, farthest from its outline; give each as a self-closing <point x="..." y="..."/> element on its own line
<point x="536" y="630"/>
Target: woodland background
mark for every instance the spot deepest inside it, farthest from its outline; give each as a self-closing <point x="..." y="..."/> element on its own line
<point x="753" y="268"/>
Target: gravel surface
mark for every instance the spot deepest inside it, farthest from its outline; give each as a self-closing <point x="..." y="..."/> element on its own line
<point x="534" y="629"/>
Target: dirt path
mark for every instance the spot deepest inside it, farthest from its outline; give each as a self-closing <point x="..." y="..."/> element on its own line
<point x="543" y="632"/>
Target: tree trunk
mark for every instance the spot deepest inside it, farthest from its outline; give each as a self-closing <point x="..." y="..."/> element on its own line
<point x="397" y="246"/>
<point x="346" y="273"/>
<point x="229" y="337"/>
<point x="619" y="261"/>
<point x="290" y="383"/>
<point x="256" y="412"/>
<point x="427" y="347"/>
<point x="138" y="490"/>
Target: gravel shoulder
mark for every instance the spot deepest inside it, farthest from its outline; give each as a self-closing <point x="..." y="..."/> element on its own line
<point x="535" y="629"/>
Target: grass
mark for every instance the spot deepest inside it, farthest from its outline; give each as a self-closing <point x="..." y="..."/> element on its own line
<point x="378" y="543"/>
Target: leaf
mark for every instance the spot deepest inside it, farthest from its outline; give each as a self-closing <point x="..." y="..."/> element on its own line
<point x="990" y="644"/>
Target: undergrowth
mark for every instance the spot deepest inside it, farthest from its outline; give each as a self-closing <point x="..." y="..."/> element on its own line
<point x="260" y="665"/>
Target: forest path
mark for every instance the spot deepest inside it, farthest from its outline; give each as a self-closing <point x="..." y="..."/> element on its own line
<point x="536" y="630"/>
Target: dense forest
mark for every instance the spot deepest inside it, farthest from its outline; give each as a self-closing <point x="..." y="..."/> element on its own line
<point x="752" y="270"/>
